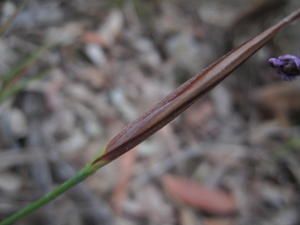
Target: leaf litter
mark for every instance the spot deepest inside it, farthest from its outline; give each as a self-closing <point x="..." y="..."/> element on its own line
<point x="134" y="61"/>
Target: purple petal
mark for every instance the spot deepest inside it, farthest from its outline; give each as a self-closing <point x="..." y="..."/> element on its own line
<point x="287" y="66"/>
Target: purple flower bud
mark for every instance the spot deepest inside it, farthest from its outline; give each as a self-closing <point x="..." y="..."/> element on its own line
<point x="287" y="66"/>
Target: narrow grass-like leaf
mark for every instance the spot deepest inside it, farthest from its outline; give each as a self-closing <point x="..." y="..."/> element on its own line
<point x="20" y="86"/>
<point x="186" y="94"/>
<point x="77" y="178"/>
<point x="9" y="80"/>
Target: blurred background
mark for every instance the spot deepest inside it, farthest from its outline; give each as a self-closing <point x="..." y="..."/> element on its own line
<point x="230" y="159"/>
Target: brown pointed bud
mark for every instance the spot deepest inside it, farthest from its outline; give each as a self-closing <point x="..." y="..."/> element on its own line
<point x="186" y="94"/>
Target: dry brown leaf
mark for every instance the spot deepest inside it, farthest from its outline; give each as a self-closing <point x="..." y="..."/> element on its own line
<point x="279" y="98"/>
<point x="93" y="76"/>
<point x="200" y="196"/>
<point x="126" y="169"/>
<point x="91" y="37"/>
<point x="198" y="114"/>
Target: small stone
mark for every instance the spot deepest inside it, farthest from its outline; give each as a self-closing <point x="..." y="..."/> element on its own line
<point x="62" y="124"/>
<point x="10" y="183"/>
<point x="39" y="13"/>
<point x="96" y="54"/>
<point x="8" y="9"/>
<point x="64" y="35"/>
<point x="74" y="143"/>
<point x="217" y="14"/>
<point x="222" y="101"/>
<point x="111" y="29"/>
<point x="188" y="53"/>
<point x="149" y="148"/>
<point x="123" y="105"/>
<point x="17" y="123"/>
<point x="147" y="52"/>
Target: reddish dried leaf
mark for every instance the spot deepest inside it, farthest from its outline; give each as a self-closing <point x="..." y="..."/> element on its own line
<point x="93" y="76"/>
<point x="280" y="99"/>
<point x="93" y="38"/>
<point x="200" y="196"/>
<point x="126" y="169"/>
<point x="199" y="114"/>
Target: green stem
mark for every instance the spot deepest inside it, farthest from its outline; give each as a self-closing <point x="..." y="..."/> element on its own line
<point x="6" y="94"/>
<point x="77" y="178"/>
